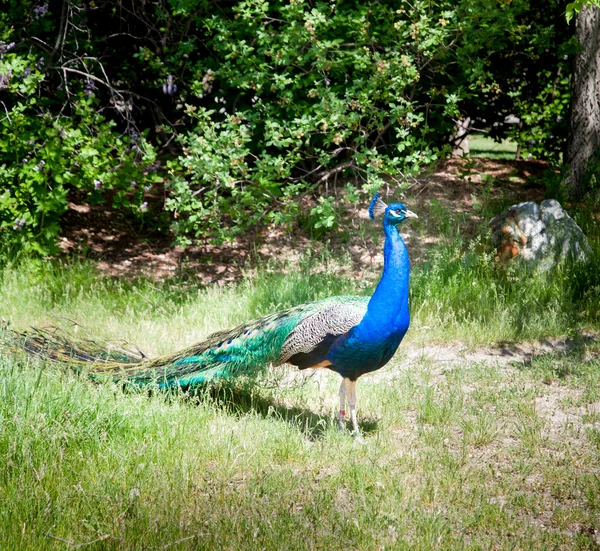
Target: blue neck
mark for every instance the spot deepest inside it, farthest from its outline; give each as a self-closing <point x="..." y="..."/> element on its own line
<point x="387" y="313"/>
<point x="370" y="344"/>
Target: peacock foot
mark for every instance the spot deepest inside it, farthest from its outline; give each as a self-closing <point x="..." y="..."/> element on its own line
<point x="341" y="419"/>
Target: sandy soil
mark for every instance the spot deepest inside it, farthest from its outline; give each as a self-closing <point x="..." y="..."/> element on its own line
<point x="121" y="248"/>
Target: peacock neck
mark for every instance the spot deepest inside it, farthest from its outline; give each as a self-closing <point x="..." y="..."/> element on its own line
<point x="387" y="311"/>
<point x="370" y="344"/>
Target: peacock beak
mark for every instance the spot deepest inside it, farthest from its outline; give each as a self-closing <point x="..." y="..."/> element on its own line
<point x="409" y="214"/>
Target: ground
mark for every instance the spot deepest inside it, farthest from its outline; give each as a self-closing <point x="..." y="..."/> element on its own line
<point x="468" y="444"/>
<point x="463" y="187"/>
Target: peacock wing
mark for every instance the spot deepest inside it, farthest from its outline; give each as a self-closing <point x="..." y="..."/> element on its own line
<point x="309" y="342"/>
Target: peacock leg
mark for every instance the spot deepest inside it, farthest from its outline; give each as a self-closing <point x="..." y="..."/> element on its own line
<point x="342" y="413"/>
<point x="352" y="400"/>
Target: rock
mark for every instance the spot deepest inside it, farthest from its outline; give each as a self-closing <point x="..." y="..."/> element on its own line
<point x="540" y="236"/>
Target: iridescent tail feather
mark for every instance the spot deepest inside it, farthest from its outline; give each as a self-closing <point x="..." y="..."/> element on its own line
<point x="53" y="344"/>
<point x="245" y="348"/>
<point x="107" y="360"/>
<point x="295" y="335"/>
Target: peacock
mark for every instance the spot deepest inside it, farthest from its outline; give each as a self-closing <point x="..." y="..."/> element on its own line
<point x="351" y="335"/>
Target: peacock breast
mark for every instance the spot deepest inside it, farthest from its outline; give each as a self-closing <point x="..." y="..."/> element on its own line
<point x="368" y="346"/>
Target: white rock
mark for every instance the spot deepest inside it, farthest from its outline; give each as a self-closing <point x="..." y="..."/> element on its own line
<point x="541" y="236"/>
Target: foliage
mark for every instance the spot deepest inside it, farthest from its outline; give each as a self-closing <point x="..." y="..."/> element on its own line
<point x="544" y="113"/>
<point x="524" y="73"/>
<point x="306" y="92"/>
<point x="250" y="105"/>
<point x="575" y="7"/>
<point x="44" y="155"/>
<point x="366" y="92"/>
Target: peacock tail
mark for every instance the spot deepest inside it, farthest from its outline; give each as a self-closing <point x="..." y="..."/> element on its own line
<point x="300" y="335"/>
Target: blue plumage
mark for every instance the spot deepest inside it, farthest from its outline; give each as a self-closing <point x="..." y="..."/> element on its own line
<point x="372" y="343"/>
<point x="349" y="335"/>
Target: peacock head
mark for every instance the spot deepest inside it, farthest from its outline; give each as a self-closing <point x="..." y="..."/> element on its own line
<point x="392" y="214"/>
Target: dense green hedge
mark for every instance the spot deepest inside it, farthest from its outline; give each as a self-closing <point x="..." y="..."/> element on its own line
<point x="238" y="108"/>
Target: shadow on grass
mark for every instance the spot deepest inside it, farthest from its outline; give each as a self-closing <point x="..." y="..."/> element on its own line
<point x="241" y="399"/>
<point x="573" y="356"/>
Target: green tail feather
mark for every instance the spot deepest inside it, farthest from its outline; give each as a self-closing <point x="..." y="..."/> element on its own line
<point x="244" y="349"/>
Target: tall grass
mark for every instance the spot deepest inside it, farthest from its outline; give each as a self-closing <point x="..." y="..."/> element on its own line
<point x="458" y="294"/>
<point x="155" y="316"/>
<point x="456" y="457"/>
<point x="470" y="297"/>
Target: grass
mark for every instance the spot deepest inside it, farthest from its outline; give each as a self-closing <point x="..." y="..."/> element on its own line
<point x="474" y="457"/>
<point x="456" y="294"/>
<point x="482" y="146"/>
<point x="458" y="455"/>
<point x="470" y="298"/>
<point x="461" y="293"/>
<point x="158" y="317"/>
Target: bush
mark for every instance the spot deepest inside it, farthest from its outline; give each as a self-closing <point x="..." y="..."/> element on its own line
<point x="251" y="104"/>
<point x="53" y="140"/>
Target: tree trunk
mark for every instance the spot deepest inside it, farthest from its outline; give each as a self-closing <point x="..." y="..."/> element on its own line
<point x="584" y="124"/>
<point x="460" y="139"/>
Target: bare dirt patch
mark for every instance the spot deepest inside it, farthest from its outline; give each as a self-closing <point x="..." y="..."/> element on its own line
<point x="122" y="248"/>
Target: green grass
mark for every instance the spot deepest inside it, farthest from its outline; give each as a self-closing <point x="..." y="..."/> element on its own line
<point x="456" y="455"/>
<point x="461" y="293"/>
<point x="464" y="459"/>
<point x="158" y="317"/>
<point x="470" y="298"/>
<point x="481" y="145"/>
<point x="457" y="294"/>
